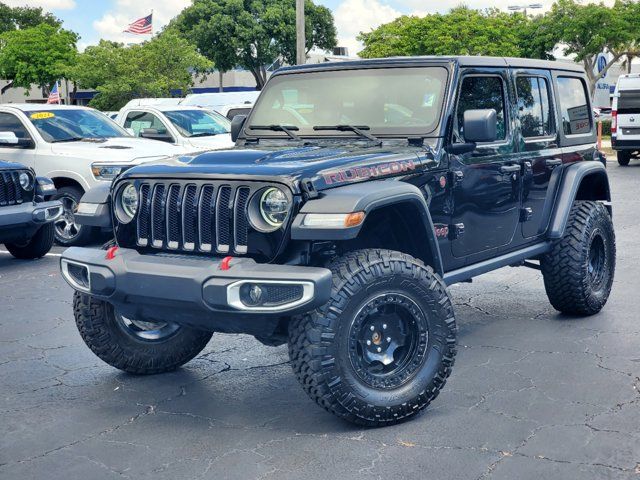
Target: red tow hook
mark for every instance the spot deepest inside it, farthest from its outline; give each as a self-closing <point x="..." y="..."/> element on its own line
<point x="111" y="253"/>
<point x="225" y="263"/>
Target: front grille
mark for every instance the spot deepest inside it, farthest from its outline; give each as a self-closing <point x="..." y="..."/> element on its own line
<point x="194" y="217"/>
<point x="10" y="190"/>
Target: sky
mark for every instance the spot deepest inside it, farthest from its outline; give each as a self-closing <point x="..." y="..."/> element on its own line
<point x="96" y="19"/>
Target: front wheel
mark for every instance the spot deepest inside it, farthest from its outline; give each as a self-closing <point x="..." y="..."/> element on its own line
<point x="382" y="348"/>
<point x="578" y="271"/>
<point x="131" y="345"/>
<point x="67" y="232"/>
<point x="37" y="246"/>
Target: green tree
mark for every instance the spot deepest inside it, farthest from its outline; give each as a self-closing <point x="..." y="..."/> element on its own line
<point x="24" y="17"/>
<point x="585" y="30"/>
<point x="252" y="34"/>
<point x="152" y="69"/>
<point x="39" y="55"/>
<point x="461" y="31"/>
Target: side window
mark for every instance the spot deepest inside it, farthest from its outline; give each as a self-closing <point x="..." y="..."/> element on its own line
<point x="139" y="121"/>
<point x="11" y="123"/>
<point x="482" y="93"/>
<point x="574" y="107"/>
<point x="534" y="107"/>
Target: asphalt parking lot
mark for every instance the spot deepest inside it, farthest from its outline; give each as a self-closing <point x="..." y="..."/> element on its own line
<point x="533" y="394"/>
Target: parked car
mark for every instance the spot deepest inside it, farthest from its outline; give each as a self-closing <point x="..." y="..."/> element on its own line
<point x="193" y="128"/>
<point x="342" y="216"/>
<point x="27" y="212"/>
<point x="221" y="102"/>
<point x="232" y="111"/>
<point x="625" y="123"/>
<point x="77" y="147"/>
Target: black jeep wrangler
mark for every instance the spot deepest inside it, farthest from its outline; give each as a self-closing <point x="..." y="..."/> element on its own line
<point x="357" y="192"/>
<point x="26" y="212"/>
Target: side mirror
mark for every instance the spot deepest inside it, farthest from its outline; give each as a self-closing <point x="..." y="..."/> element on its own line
<point x="480" y="126"/>
<point x="9" y="139"/>
<point x="236" y="126"/>
<point x="153" y="134"/>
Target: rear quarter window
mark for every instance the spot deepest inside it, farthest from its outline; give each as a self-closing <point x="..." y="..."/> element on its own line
<point x="574" y="106"/>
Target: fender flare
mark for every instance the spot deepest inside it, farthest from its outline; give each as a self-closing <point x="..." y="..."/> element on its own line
<point x="98" y="201"/>
<point x="366" y="197"/>
<point x="572" y="179"/>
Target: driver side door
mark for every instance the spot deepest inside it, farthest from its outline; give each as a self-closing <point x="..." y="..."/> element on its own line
<point x="487" y="181"/>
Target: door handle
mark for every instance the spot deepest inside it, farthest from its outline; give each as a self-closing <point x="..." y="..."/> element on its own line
<point x="553" y="162"/>
<point x="510" y="168"/>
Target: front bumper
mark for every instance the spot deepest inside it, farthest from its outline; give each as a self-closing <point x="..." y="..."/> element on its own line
<point x="22" y="221"/>
<point x="188" y="289"/>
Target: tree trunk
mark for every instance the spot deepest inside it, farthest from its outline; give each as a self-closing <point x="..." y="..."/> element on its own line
<point x="221" y="76"/>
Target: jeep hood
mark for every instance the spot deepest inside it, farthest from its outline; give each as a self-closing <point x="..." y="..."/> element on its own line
<point x="117" y="150"/>
<point x="11" y="166"/>
<point x="319" y="167"/>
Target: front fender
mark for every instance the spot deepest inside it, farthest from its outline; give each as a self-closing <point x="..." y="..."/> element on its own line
<point x="94" y="209"/>
<point x="367" y="197"/>
<point x="580" y="181"/>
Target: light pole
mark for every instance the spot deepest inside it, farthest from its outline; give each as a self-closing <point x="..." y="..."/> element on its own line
<point x="518" y="8"/>
<point x="301" y="51"/>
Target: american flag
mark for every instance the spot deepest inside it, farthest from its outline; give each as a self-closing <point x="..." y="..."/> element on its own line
<point x="142" y="26"/>
<point x="54" y="95"/>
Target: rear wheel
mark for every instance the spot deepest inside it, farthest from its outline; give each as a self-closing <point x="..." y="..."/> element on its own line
<point x="382" y="348"/>
<point x="37" y="246"/>
<point x="131" y="345"/>
<point x="67" y="231"/>
<point x="624" y="157"/>
<point x="578" y="272"/>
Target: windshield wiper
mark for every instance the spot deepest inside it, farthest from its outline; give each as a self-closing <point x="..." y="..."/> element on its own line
<point x="203" y="134"/>
<point x="357" y="129"/>
<point x="288" y="129"/>
<point x="69" y="139"/>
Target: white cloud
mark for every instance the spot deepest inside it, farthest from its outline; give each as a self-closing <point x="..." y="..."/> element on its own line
<point x="45" y="4"/>
<point x="113" y="23"/>
<point x="355" y="16"/>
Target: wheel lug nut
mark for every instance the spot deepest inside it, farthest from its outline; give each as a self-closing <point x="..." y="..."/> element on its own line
<point x="368" y="342"/>
<point x="384" y="326"/>
<point x="372" y="328"/>
<point x="379" y="349"/>
<point x="389" y="339"/>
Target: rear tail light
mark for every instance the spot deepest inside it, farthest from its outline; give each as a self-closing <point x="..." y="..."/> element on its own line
<point x="614" y="121"/>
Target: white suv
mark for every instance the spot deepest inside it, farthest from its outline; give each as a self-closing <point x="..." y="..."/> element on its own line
<point x="78" y="148"/>
<point x="625" y="118"/>
<point x="190" y="127"/>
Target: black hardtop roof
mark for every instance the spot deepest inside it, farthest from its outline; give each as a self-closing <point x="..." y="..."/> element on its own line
<point x="463" y="61"/>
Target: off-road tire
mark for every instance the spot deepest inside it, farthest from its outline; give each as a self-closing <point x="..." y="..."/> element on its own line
<point x="624" y="157"/>
<point x="86" y="233"/>
<point x="98" y="327"/>
<point x="318" y="344"/>
<point x="37" y="246"/>
<point x="565" y="269"/>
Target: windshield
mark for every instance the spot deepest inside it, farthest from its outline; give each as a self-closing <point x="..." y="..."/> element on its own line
<point x="404" y="101"/>
<point x="64" y="125"/>
<point x="198" y="123"/>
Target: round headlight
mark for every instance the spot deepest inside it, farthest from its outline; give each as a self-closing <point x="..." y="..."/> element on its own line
<point x="274" y="206"/>
<point x="26" y="181"/>
<point x="127" y="203"/>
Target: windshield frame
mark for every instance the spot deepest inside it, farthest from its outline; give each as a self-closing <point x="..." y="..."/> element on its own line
<point x="408" y="131"/>
<point x="55" y="111"/>
<point x="224" y="121"/>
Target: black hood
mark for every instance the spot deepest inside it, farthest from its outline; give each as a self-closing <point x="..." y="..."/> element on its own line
<point x="11" y="166"/>
<point x="318" y="166"/>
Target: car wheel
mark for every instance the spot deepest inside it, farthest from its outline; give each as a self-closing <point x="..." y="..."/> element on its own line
<point x="67" y="231"/>
<point x="139" y="347"/>
<point x="37" y="246"/>
<point x="382" y="348"/>
<point x="578" y="272"/>
<point x="624" y="157"/>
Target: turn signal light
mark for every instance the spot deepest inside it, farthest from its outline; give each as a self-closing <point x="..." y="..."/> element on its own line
<point x="354" y="219"/>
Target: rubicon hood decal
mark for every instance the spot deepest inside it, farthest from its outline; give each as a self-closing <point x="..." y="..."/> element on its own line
<point x="365" y="172"/>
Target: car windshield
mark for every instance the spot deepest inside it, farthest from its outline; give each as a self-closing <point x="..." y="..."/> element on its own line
<point x="198" y="123"/>
<point x="400" y="101"/>
<point x="67" y="125"/>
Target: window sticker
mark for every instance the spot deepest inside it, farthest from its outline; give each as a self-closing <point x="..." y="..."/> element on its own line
<point x="42" y="115"/>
